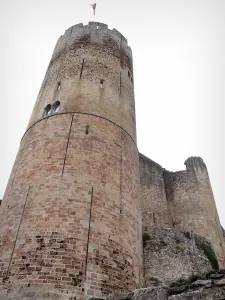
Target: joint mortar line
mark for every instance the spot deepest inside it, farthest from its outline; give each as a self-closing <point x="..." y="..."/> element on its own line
<point x="11" y="256"/>
<point x="71" y="123"/>
<point x="88" y="238"/>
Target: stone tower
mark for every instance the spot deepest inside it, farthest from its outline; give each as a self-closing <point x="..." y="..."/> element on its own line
<point x="71" y="214"/>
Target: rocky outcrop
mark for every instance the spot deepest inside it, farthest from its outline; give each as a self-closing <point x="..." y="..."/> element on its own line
<point x="212" y="287"/>
<point x="169" y="254"/>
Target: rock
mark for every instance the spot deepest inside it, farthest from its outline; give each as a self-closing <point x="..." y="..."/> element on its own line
<point x="194" y="295"/>
<point x="151" y="281"/>
<point x="216" y="276"/>
<point x="152" y="293"/>
<point x="178" y="289"/>
<point x="200" y="283"/>
<point x="127" y="296"/>
<point x="219" y="282"/>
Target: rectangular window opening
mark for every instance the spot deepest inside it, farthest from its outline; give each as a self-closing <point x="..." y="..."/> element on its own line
<point x="154" y="220"/>
<point x="101" y="83"/>
<point x="82" y="66"/>
<point x="58" y="86"/>
<point x="87" y="129"/>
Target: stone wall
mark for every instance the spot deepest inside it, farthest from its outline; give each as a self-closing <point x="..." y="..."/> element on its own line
<point x="211" y="288"/>
<point x="70" y="217"/>
<point x="182" y="199"/>
<point x="192" y="203"/>
<point x="153" y="196"/>
<point x="172" y="253"/>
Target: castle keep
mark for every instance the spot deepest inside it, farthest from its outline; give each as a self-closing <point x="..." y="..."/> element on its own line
<point x="80" y="195"/>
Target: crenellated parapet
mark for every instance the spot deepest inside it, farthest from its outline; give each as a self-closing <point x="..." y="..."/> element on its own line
<point x="94" y="33"/>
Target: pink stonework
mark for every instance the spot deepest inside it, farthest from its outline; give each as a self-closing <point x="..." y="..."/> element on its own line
<point x="71" y="211"/>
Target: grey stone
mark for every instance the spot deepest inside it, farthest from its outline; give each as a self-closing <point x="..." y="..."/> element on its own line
<point x="220" y="282"/>
<point x="216" y="276"/>
<point x="126" y="296"/>
<point x="178" y="289"/>
<point x="199" y="283"/>
<point x="154" y="293"/>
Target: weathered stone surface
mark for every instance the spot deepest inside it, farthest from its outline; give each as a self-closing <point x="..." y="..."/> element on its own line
<point x="192" y="205"/>
<point x="216" y="276"/>
<point x="71" y="207"/>
<point x="154" y="293"/>
<point x="182" y="199"/>
<point x="219" y="282"/>
<point x="215" y="293"/>
<point x="178" y="289"/>
<point x="198" y="283"/>
<point x="193" y="295"/>
<point x="170" y="254"/>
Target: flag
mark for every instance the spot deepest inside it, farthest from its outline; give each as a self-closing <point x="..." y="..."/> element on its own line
<point x="94" y="7"/>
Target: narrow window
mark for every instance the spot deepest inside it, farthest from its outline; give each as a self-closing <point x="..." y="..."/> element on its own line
<point x="154" y="220"/>
<point x="58" y="86"/>
<point x="47" y="110"/>
<point x="129" y="74"/>
<point x="97" y="27"/>
<point x="56" y="107"/>
<point x="87" y="129"/>
<point x="81" y="70"/>
<point x="101" y="83"/>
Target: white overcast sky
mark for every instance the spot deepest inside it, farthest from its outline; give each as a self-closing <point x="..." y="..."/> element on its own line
<point x="179" y="74"/>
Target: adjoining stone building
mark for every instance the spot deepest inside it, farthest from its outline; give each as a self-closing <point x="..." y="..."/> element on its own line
<point x="80" y="193"/>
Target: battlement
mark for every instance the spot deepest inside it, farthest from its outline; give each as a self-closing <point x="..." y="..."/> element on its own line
<point x="195" y="161"/>
<point x="95" y="33"/>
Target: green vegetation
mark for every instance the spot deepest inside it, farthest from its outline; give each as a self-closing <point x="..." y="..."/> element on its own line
<point x="207" y="248"/>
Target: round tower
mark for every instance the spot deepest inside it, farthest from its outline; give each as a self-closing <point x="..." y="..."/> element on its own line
<point x="70" y="216"/>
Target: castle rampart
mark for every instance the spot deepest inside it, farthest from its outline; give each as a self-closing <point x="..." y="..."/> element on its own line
<point x="182" y="199"/>
<point x="153" y="195"/>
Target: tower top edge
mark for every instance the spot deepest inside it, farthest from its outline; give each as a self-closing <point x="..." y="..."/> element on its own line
<point x="95" y="26"/>
<point x="92" y="28"/>
<point x="195" y="161"/>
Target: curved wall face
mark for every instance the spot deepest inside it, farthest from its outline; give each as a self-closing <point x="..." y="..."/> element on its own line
<point x="82" y="58"/>
<point x="193" y="207"/>
<point x="70" y="215"/>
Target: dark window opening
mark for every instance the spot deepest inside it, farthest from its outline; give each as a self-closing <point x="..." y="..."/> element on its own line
<point x="129" y="74"/>
<point x="154" y="220"/>
<point x="81" y="70"/>
<point x="101" y="83"/>
<point x="47" y="110"/>
<point x="58" y="86"/>
<point x="56" y="107"/>
<point x="87" y="129"/>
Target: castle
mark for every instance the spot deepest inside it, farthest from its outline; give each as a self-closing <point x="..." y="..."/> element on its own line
<point x="80" y="195"/>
